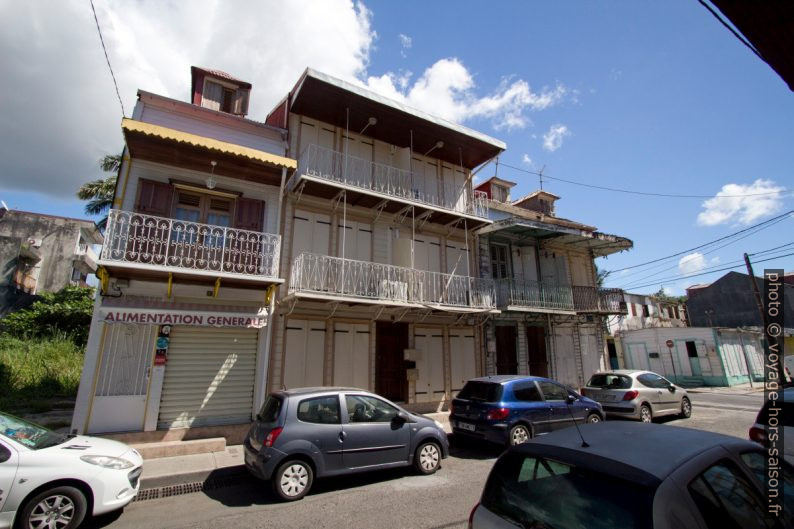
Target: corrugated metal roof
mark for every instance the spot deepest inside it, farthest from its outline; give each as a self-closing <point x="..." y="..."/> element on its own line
<point x="195" y="140"/>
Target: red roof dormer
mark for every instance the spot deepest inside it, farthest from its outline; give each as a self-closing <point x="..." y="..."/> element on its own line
<point x="220" y="91"/>
<point x="497" y="189"/>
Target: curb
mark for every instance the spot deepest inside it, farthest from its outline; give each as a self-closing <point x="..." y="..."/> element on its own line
<point x="157" y="487"/>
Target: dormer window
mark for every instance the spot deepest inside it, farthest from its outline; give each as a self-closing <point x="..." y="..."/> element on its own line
<point x="500" y="193"/>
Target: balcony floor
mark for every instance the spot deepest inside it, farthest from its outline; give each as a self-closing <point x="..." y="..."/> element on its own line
<point x="203" y="277"/>
<point x="356" y="196"/>
<point x="352" y="300"/>
<point x="544" y="310"/>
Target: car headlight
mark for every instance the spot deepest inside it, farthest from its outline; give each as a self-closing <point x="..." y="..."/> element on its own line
<point x="116" y="463"/>
<point x="440" y="426"/>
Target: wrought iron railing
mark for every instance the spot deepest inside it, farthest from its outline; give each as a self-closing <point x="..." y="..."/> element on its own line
<point x="324" y="274"/>
<point x="331" y="165"/>
<point x="533" y="294"/>
<point x="599" y="300"/>
<point x="158" y="242"/>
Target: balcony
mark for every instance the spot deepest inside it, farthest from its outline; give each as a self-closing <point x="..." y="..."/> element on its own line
<point x="374" y="184"/>
<point x="534" y="296"/>
<point x="85" y="258"/>
<point x="146" y="243"/>
<point x="596" y="300"/>
<point x="337" y="279"/>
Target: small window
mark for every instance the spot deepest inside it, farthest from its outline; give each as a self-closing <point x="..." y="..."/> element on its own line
<point x="481" y="391"/>
<point x="361" y="408"/>
<point x="553" y="391"/>
<point x="527" y="392"/>
<point x="691" y="350"/>
<point x="228" y="100"/>
<point x="727" y="499"/>
<point x="633" y="309"/>
<point x="676" y="313"/>
<point x="609" y="381"/>
<point x="650" y="380"/>
<point x="320" y="410"/>
<point x="646" y="311"/>
<point x="5" y="454"/>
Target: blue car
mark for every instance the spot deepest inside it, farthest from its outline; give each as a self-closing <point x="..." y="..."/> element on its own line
<point x="511" y="409"/>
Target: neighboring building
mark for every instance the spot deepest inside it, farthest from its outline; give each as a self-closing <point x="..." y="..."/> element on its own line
<point x="646" y="312"/>
<point x="699" y="356"/>
<point x="180" y="333"/>
<point x="552" y="311"/>
<point x="730" y="302"/>
<point x="42" y="253"/>
<point x="379" y="247"/>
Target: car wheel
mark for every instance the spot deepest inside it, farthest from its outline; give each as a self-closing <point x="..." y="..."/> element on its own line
<point x="292" y="480"/>
<point x="519" y="434"/>
<point x="646" y="415"/>
<point x="594" y="417"/>
<point x="56" y="508"/>
<point x="686" y="408"/>
<point x="427" y="458"/>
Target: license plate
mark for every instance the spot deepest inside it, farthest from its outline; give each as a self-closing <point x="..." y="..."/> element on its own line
<point x="605" y="398"/>
<point x="466" y="426"/>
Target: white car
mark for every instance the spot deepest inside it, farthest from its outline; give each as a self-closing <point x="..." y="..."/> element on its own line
<point x="50" y="480"/>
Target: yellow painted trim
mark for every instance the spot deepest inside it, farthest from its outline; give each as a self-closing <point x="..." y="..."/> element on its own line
<point x="149" y="129"/>
<point x="149" y="382"/>
<point x="100" y="357"/>
<point x="104" y="278"/>
<point x="170" y="284"/>
<point x="120" y="202"/>
<point x="217" y="287"/>
<point x="271" y="290"/>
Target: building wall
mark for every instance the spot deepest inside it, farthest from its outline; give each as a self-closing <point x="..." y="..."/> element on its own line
<point x="658" y="315"/>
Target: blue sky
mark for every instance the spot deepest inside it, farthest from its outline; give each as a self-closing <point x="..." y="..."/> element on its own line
<point x="645" y="96"/>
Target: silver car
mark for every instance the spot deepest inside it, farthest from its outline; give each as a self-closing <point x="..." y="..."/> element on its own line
<point x="637" y="394"/>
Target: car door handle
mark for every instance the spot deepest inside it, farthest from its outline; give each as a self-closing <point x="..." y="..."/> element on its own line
<point x="342" y="436"/>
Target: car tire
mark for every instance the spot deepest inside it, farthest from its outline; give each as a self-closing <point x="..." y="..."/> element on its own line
<point x="646" y="414"/>
<point x="59" y="504"/>
<point x="686" y="408"/>
<point x="427" y="458"/>
<point x="293" y="479"/>
<point x="594" y="417"/>
<point x="519" y="434"/>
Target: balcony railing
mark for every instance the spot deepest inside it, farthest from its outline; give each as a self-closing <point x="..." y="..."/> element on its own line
<point x="323" y="274"/>
<point x="334" y="166"/>
<point x="534" y="295"/>
<point x="599" y="300"/>
<point x="147" y="241"/>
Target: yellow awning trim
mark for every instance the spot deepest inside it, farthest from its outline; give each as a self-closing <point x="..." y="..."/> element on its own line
<point x="195" y="140"/>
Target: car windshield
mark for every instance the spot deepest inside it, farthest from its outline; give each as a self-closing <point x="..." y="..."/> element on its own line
<point x="29" y="434"/>
<point x="540" y="493"/>
<point x="609" y="381"/>
<point x="482" y="391"/>
<point x="270" y="410"/>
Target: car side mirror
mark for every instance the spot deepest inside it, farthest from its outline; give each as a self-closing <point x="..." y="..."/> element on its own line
<point x="570" y="399"/>
<point x="671" y="388"/>
<point x="400" y="419"/>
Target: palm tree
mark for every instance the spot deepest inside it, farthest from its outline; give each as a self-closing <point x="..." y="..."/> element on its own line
<point x="99" y="193"/>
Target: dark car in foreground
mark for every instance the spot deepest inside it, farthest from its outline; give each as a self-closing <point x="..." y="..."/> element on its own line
<point x="632" y="475"/>
<point x="511" y="409"/>
<point x="778" y="421"/>
<point x="307" y="433"/>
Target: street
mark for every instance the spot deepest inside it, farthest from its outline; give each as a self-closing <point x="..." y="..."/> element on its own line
<point x="390" y="499"/>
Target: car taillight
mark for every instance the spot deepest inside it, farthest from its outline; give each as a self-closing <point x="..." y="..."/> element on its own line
<point x="631" y="395"/>
<point x="498" y="414"/>
<point x="471" y="516"/>
<point x="758" y="435"/>
<point x="272" y="436"/>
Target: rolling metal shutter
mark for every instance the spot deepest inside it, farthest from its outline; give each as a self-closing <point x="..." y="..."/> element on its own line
<point x="209" y="378"/>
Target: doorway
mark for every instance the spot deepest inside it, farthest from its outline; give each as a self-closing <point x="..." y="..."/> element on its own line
<point x="536" y="346"/>
<point x="506" y="362"/>
<point x="694" y="361"/>
<point x="391" y="340"/>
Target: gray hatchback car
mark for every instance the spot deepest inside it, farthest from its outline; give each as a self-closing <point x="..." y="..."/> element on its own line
<point x="307" y="433"/>
<point x="635" y="394"/>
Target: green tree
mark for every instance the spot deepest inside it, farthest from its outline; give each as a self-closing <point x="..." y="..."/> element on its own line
<point x="601" y="276"/>
<point x="66" y="312"/>
<point x="99" y="193"/>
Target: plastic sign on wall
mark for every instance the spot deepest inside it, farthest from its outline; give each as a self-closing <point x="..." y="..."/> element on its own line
<point x="161" y="349"/>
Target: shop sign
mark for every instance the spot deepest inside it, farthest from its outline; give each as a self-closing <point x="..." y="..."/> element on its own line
<point x="182" y="317"/>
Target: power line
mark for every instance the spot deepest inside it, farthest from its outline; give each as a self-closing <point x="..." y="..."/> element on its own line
<point x="631" y="192"/>
<point x="118" y="94"/>
<point x="711" y="272"/>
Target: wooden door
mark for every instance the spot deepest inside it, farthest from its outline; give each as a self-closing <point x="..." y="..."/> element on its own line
<point x="391" y="340"/>
<point x="506" y="362"/>
<point x="536" y="346"/>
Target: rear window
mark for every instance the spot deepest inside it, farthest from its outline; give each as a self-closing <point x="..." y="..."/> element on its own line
<point x="539" y="492"/>
<point x="481" y="391"/>
<point x="783" y="412"/>
<point x="270" y="409"/>
<point x="609" y="381"/>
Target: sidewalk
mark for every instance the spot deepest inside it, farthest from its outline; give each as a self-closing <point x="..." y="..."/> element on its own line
<point x="196" y="470"/>
<point x="739" y="389"/>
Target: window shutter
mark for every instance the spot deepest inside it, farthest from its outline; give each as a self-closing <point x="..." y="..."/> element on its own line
<point x="248" y="214"/>
<point x="154" y="198"/>
<point x="240" y="106"/>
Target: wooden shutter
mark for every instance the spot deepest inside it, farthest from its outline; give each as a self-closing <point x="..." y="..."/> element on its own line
<point x="154" y="198"/>
<point x="248" y="214"/>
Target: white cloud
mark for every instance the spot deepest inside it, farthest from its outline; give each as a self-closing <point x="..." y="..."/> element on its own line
<point x="526" y="159"/>
<point x="64" y="115"/>
<point x="552" y="140"/>
<point x="405" y="44"/>
<point x="695" y="262"/>
<point x="447" y="89"/>
<point x="735" y="203"/>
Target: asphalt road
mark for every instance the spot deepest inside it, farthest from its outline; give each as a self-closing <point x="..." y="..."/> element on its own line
<point x="391" y="499"/>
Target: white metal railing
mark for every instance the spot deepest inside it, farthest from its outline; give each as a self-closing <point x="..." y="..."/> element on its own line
<point x="176" y="244"/>
<point x="534" y="294"/>
<point x="331" y="165"/>
<point x="324" y="274"/>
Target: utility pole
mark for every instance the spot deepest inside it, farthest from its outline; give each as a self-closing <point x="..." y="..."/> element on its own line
<point x="764" y="320"/>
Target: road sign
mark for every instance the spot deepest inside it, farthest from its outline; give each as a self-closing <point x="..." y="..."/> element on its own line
<point x="669" y="343"/>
